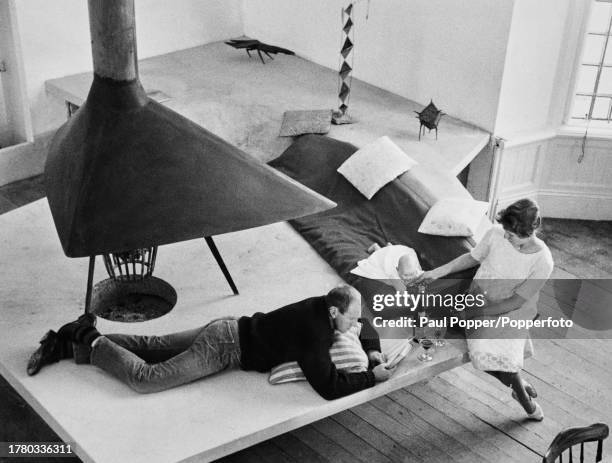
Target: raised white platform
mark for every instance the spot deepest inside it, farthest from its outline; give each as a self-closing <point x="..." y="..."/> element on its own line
<point x="107" y="422"/>
<point x="243" y="101"/>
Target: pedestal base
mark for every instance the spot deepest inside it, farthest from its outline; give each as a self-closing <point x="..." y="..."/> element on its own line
<point x="339" y="118"/>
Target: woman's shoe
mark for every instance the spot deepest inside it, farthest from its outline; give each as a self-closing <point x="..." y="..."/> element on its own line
<point x="537" y="414"/>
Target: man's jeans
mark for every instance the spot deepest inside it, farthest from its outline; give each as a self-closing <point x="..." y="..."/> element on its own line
<point x="155" y="363"/>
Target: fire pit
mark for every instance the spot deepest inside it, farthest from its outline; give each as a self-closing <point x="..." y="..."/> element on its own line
<point x="132" y="301"/>
<point x="132" y="293"/>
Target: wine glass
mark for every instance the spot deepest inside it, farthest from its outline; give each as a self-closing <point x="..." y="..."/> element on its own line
<point x="439" y="333"/>
<point x="426" y="344"/>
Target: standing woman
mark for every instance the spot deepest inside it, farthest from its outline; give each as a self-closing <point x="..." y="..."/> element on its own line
<point x="514" y="265"/>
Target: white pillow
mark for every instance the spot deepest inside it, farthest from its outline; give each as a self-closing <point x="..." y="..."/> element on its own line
<point x="454" y="217"/>
<point x="370" y="168"/>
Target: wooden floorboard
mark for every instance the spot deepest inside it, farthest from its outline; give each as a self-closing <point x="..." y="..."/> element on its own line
<point x="506" y="448"/>
<point x="348" y="440"/>
<point x="599" y="357"/>
<point x="402" y="432"/>
<point x="445" y="448"/>
<point x="297" y="449"/>
<point x="323" y="445"/>
<point x="269" y="452"/>
<point x="244" y="456"/>
<point x="375" y="437"/>
<point x="462" y="415"/>
<point x="565" y="380"/>
<point x="489" y="411"/>
<point x="461" y="438"/>
<point x="557" y="407"/>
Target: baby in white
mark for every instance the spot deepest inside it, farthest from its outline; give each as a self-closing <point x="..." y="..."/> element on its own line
<point x="392" y="264"/>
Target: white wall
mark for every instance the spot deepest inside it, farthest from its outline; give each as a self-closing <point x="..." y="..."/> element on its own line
<point x="548" y="170"/>
<point x="450" y="50"/>
<point x="55" y="39"/>
<point x="536" y="48"/>
<point x="14" y="120"/>
<point x="576" y="186"/>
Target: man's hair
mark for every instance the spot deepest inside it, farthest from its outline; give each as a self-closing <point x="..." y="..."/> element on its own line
<point x="339" y="297"/>
<point x="521" y="217"/>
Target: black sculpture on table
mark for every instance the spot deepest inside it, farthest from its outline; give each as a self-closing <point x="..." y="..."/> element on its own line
<point x="429" y="118"/>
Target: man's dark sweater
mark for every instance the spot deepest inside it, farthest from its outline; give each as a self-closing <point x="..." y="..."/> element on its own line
<point x="303" y="332"/>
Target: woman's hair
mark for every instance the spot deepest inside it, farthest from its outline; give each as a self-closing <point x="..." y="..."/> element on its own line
<point x="521" y="217"/>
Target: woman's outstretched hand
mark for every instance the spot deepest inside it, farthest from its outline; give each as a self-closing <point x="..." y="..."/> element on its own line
<point x="425" y="277"/>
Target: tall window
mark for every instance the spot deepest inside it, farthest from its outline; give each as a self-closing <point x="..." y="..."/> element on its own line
<point x="593" y="99"/>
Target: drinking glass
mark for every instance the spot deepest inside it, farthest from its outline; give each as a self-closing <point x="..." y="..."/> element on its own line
<point x="426" y="344"/>
<point x="439" y="334"/>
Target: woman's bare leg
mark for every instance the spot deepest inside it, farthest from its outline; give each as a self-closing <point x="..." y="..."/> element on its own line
<point x="517" y="384"/>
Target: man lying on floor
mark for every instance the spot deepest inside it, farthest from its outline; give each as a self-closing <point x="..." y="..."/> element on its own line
<point x="302" y="332"/>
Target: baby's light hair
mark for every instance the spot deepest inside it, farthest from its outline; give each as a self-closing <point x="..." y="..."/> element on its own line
<point x="408" y="265"/>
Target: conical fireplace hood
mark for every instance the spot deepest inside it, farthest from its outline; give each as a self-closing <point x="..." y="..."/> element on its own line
<point x="126" y="172"/>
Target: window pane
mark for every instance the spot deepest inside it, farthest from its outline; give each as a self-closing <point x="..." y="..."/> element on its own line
<point x="581" y="106"/>
<point x="592" y="53"/>
<point x="602" y="106"/>
<point x="593" y="47"/>
<point x="586" y="79"/>
<point x="600" y="17"/>
<point x="605" y="81"/>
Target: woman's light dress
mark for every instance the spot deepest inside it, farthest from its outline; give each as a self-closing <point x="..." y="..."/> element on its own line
<point x="503" y="272"/>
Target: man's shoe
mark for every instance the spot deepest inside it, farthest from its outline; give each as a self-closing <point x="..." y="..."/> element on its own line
<point x="81" y="353"/>
<point x="69" y="330"/>
<point x="88" y="319"/>
<point x="52" y="349"/>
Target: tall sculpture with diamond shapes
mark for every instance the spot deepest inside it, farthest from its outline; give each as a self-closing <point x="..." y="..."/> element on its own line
<point x="341" y="115"/>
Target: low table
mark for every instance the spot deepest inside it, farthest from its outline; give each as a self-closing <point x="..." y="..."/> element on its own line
<point x="103" y="419"/>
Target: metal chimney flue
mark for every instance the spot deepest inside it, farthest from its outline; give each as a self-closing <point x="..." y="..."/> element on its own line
<point x="112" y="26"/>
<point x="126" y="173"/>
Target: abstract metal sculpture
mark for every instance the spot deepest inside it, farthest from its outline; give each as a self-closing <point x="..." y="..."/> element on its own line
<point x="345" y="77"/>
<point x="429" y="118"/>
<point x="252" y="44"/>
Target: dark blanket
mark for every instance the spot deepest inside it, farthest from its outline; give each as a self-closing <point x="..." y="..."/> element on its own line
<point x="343" y="234"/>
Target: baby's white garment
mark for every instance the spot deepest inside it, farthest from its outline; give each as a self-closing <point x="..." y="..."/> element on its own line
<point x="382" y="264"/>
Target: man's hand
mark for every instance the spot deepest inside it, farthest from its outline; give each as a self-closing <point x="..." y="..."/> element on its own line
<point x="382" y="373"/>
<point x="376" y="358"/>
